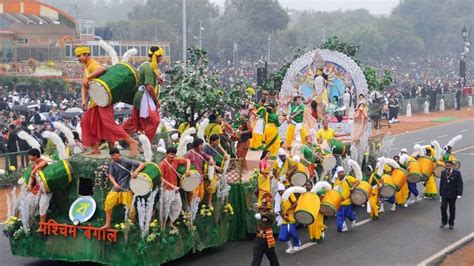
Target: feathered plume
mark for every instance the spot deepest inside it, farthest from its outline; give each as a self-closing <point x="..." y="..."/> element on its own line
<point x="296" y="149"/>
<point x="419" y="149"/>
<point x="437" y="148"/>
<point x="182" y="145"/>
<point x="454" y="140"/>
<point x="128" y="54"/>
<point x="187" y="132"/>
<point x="110" y="50"/>
<point x="392" y="163"/>
<point x="161" y="146"/>
<point x="66" y="131"/>
<point x="404" y="158"/>
<point x="380" y="166"/>
<point x="356" y="167"/>
<point x="58" y="142"/>
<point x="29" y="139"/>
<point x="202" y="128"/>
<point x="147" y="152"/>
<point x="287" y="193"/>
<point x="321" y="185"/>
<point x="296" y="158"/>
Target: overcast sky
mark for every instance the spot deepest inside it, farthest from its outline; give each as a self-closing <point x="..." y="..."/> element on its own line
<point x="374" y="6"/>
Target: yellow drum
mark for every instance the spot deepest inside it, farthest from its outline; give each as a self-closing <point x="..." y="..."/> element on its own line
<point x="330" y="203"/>
<point x="399" y="177"/>
<point x="427" y="167"/>
<point x="414" y="172"/>
<point x="388" y="189"/>
<point x="308" y="208"/>
<point x="361" y="193"/>
<point x="439" y="168"/>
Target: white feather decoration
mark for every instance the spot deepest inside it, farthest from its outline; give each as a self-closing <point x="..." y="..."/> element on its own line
<point x="454" y="140"/>
<point x="356" y="167"/>
<point x="29" y="139"/>
<point x="296" y="149"/>
<point x="419" y="149"/>
<point x="182" y="145"/>
<point x="380" y="166"/>
<point x="60" y="147"/>
<point x="392" y="163"/>
<point x="289" y="191"/>
<point x="404" y="158"/>
<point x="110" y="50"/>
<point x="161" y="146"/>
<point x="296" y="158"/>
<point x="187" y="132"/>
<point x="202" y="128"/>
<point x="321" y="185"/>
<point x="128" y="54"/>
<point x="437" y="148"/>
<point x="147" y="152"/>
<point x="66" y="131"/>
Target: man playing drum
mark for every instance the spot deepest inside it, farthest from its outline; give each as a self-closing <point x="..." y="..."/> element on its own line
<point x="145" y="116"/>
<point x="345" y="185"/>
<point x="284" y="167"/>
<point x="98" y="123"/>
<point x="171" y="197"/>
<point x="34" y="155"/>
<point x="120" y="172"/>
<point x="326" y="133"/>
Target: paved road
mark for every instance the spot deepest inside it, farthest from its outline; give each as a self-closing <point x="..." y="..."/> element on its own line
<point x="404" y="237"/>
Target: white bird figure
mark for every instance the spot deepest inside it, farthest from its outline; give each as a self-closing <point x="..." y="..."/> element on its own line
<point x="202" y="128"/>
<point x="128" y="54"/>
<point x="441" y="105"/>
<point x="453" y="141"/>
<point x="60" y="147"/>
<point x="110" y="50"/>
<point x="427" y="107"/>
<point x="356" y="167"/>
<point x="408" y="110"/>
<point x="29" y="139"/>
<point x="147" y="152"/>
<point x="66" y="131"/>
<point x="182" y="145"/>
<point x="290" y="190"/>
<point x="321" y="185"/>
<point x="161" y="146"/>
<point x="469" y="101"/>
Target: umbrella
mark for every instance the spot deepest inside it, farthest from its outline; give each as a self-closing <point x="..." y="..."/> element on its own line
<point x="73" y="111"/>
<point x="44" y="117"/>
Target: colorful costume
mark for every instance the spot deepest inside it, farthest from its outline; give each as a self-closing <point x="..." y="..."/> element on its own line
<point x="345" y="211"/>
<point x="264" y="179"/>
<point x="271" y="136"/>
<point x="288" y="228"/>
<point x="296" y="130"/>
<point x="256" y="143"/>
<point x="374" y="200"/>
<point x="212" y="129"/>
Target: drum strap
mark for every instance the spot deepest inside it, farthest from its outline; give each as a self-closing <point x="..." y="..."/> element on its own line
<point x="273" y="141"/>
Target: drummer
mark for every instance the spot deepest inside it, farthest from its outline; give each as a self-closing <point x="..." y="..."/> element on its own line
<point x="284" y="167"/>
<point x="309" y="154"/>
<point x="145" y="116"/>
<point x="412" y="189"/>
<point x="120" y="172"/>
<point x="288" y="228"/>
<point x="345" y="185"/>
<point x="170" y="195"/>
<point x="326" y="133"/>
<point x="215" y="150"/>
<point x="34" y="155"/>
<point x="98" y="123"/>
<point x="374" y="198"/>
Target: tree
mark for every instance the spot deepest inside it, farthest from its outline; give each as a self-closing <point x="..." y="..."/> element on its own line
<point x="375" y="82"/>
<point x="335" y="44"/>
<point x="194" y="90"/>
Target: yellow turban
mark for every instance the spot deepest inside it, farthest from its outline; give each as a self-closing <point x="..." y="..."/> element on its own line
<point x="82" y="50"/>
<point x="154" y="60"/>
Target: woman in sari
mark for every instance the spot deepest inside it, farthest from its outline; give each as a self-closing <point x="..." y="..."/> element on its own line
<point x="271" y="137"/>
<point x="360" y="123"/>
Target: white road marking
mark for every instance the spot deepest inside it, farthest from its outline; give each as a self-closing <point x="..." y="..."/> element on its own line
<point x="363" y="222"/>
<point x="418" y="142"/>
<point x="442" y="136"/>
<point x="467" y="148"/>
<point x="302" y="247"/>
<point x="426" y="128"/>
<point x="464" y="130"/>
<point x="447" y="249"/>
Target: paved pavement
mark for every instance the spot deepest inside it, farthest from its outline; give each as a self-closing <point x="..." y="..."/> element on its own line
<point x="404" y="237"/>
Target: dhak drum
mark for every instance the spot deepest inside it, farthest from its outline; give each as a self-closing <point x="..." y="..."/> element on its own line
<point x="56" y="176"/>
<point x="414" y="172"/>
<point x="329" y="162"/>
<point x="117" y="84"/>
<point x="147" y="180"/>
<point x="26" y="174"/>
<point x="337" y="147"/>
<point x="330" y="203"/>
<point x="361" y="193"/>
<point x="388" y="189"/>
<point x="299" y="178"/>
<point x="439" y="168"/>
<point x="427" y="167"/>
<point x="308" y="208"/>
<point x="399" y="177"/>
<point x="189" y="183"/>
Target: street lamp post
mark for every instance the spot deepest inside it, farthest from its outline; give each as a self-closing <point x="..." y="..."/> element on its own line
<point x="462" y="64"/>
<point x="184" y="32"/>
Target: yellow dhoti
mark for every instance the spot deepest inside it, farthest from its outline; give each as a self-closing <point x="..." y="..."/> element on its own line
<point x="401" y="197"/>
<point x="272" y="139"/>
<point x="374" y="203"/>
<point x="317" y="228"/>
<point x="290" y="134"/>
<point x="430" y="188"/>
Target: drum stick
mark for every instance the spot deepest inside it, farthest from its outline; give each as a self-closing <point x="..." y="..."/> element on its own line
<point x="314" y="153"/>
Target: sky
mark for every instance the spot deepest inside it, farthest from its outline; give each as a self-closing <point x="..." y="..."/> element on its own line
<point x="376" y="7"/>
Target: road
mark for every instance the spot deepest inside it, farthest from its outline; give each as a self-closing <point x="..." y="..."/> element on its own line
<point x="404" y="237"/>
